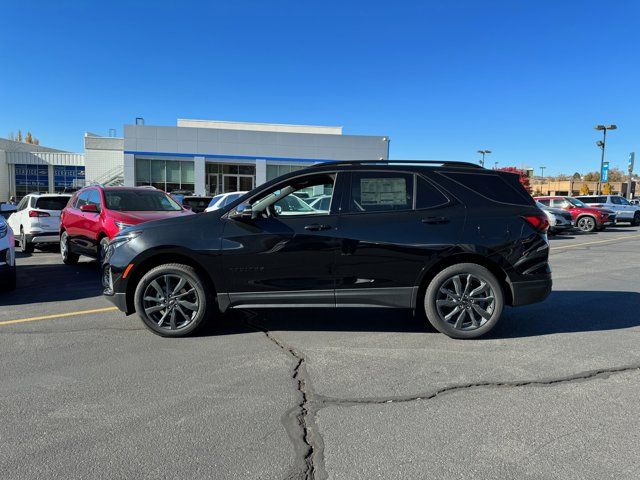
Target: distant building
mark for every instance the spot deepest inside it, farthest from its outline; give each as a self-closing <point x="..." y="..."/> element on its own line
<point x="573" y="187"/>
<point x="202" y="156"/>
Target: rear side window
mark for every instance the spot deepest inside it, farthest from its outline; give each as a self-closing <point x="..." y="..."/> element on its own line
<point x="545" y="201"/>
<point x="381" y="192"/>
<point x="491" y="186"/>
<point x="51" y="203"/>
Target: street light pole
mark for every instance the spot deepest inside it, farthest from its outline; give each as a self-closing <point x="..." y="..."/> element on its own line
<point x="603" y="144"/>
<point x="542" y="172"/>
<point x="495" y="165"/>
<point x="483" y="153"/>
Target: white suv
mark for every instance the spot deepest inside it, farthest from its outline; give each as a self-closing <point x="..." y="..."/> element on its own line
<point x="7" y="257"/>
<point x="37" y="219"/>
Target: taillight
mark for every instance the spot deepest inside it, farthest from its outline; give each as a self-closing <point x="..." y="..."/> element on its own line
<point x="538" y="222"/>
<point x="36" y="213"/>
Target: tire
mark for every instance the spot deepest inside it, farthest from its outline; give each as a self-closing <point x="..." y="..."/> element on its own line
<point x="586" y="224"/>
<point x="102" y="249"/>
<point x="636" y="220"/>
<point x="25" y="245"/>
<point x="68" y="257"/>
<point x="470" y="316"/>
<point x="181" y="319"/>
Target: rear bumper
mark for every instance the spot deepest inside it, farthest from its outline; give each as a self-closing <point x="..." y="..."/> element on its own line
<point x="530" y="291"/>
<point x="43" y="237"/>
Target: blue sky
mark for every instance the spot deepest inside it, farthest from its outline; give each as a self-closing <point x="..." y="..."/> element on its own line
<point x="526" y="79"/>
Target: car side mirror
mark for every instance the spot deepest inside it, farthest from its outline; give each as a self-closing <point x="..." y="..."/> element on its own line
<point x="89" y="208"/>
<point x="242" y="212"/>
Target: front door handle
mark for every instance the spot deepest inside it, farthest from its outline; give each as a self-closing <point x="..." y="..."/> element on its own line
<point x="435" y="220"/>
<point x="317" y="227"/>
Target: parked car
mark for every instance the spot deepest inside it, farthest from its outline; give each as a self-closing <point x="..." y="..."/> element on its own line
<point x="323" y="202"/>
<point x="635" y="201"/>
<point x="197" y="204"/>
<point x="222" y="200"/>
<point x="450" y="240"/>
<point x="95" y="214"/>
<point x="6" y="209"/>
<point x="7" y="257"/>
<point x="585" y="218"/>
<point x="559" y="220"/>
<point x="37" y="219"/>
<point x="624" y="210"/>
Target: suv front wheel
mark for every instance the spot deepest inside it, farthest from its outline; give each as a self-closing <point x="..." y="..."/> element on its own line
<point x="464" y="301"/>
<point x="172" y="300"/>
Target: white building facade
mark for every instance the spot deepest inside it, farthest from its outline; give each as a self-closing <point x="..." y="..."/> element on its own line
<point x="200" y="156"/>
<point x="211" y="157"/>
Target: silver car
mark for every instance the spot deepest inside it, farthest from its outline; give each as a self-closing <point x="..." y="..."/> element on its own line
<point x="559" y="220"/>
<point x="625" y="211"/>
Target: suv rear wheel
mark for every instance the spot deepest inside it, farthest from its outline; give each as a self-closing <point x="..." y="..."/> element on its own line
<point x="464" y="301"/>
<point x="172" y="300"/>
<point x="25" y="245"/>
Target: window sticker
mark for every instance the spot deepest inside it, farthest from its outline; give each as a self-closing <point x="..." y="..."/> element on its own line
<point x="383" y="191"/>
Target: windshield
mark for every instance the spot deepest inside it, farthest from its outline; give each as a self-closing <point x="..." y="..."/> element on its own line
<point x="141" y="200"/>
<point x="576" y="202"/>
<point x="51" y="203"/>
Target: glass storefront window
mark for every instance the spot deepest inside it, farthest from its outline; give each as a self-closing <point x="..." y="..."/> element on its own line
<point x="31" y="178"/>
<point x="274" y="171"/>
<point x="167" y="175"/>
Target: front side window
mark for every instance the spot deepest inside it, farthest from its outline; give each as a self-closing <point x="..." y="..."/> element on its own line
<point x="141" y="200"/>
<point x="286" y="199"/>
<point x="622" y="201"/>
<point x="83" y="199"/>
<point x="94" y="198"/>
<point x="575" y="202"/>
<point x="381" y="192"/>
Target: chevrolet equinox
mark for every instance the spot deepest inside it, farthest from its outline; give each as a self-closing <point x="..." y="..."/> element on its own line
<point x="450" y="240"/>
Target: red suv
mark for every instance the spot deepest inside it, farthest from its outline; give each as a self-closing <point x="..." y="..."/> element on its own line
<point x="585" y="217"/>
<point x="94" y="215"/>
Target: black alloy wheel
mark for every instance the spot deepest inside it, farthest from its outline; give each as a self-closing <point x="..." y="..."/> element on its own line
<point x="464" y="301"/>
<point x="172" y="300"/>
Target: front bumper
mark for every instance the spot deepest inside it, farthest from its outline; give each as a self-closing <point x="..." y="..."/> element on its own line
<point x="530" y="291"/>
<point x="110" y="290"/>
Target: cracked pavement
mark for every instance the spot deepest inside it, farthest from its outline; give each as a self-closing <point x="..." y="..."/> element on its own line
<point x="551" y="393"/>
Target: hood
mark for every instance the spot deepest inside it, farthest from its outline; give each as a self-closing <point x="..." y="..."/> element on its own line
<point x="135" y="218"/>
<point x="555" y="211"/>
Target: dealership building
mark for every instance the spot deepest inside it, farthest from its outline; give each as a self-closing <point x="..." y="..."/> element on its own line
<point x="202" y="156"/>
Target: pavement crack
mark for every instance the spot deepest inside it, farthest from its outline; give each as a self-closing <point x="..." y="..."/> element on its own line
<point x="578" y="377"/>
<point x="299" y="421"/>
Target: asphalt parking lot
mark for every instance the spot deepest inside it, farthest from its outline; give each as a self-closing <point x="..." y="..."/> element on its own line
<point x="552" y="393"/>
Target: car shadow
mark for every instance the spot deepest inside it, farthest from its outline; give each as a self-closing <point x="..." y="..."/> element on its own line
<point x="54" y="282"/>
<point x="562" y="312"/>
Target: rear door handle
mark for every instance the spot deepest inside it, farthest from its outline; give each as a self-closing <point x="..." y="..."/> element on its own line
<point x="316" y="227"/>
<point x="435" y="220"/>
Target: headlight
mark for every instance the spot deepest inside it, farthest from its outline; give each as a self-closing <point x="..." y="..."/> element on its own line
<point x="121" y="239"/>
<point x="121" y="225"/>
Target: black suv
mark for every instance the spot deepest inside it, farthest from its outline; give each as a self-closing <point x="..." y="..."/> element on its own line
<point x="447" y="239"/>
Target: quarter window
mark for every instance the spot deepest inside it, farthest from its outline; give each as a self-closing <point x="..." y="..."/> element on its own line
<point x="428" y="196"/>
<point x="381" y="192"/>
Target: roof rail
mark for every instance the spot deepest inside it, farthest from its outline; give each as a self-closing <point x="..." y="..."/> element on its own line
<point x="442" y="163"/>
